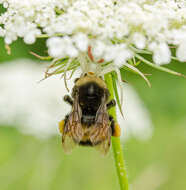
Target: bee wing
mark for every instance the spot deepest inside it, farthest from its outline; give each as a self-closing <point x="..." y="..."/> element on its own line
<point x="73" y="131"/>
<point x="68" y="143"/>
<point x="101" y="132"/>
<point x="103" y="148"/>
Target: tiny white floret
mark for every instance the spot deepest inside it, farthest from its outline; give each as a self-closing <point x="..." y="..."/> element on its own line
<point x="181" y="51"/>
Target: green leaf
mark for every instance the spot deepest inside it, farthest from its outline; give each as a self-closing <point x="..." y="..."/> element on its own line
<point x="159" y="67"/>
<point x="114" y="79"/>
<point x="139" y="72"/>
<point x="137" y="63"/>
<point x="131" y="67"/>
<point x="131" y="62"/>
<point x="129" y="70"/>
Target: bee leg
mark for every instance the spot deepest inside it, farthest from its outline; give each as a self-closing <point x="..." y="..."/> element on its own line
<point x="111" y="104"/>
<point x="116" y="131"/>
<point x="62" y="124"/>
<point x="68" y="99"/>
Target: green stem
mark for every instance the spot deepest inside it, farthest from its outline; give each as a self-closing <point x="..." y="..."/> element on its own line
<point x="116" y="144"/>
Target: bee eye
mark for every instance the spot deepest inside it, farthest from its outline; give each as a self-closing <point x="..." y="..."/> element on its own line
<point x="85" y="74"/>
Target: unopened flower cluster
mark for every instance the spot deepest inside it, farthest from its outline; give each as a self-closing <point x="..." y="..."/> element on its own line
<point x="115" y="30"/>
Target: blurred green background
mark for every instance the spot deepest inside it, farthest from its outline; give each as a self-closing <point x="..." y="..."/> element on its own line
<point x="157" y="164"/>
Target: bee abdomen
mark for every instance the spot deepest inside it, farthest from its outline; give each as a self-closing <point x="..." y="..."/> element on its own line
<point x="88" y="120"/>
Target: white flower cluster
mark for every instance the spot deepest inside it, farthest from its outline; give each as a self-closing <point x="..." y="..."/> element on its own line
<point x="110" y="27"/>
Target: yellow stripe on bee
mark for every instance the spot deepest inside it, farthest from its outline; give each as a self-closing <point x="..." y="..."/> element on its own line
<point x="117" y="131"/>
<point x="91" y="77"/>
<point x="61" y="126"/>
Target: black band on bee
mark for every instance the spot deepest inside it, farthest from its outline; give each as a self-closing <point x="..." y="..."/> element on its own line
<point x="89" y="143"/>
<point x="112" y="125"/>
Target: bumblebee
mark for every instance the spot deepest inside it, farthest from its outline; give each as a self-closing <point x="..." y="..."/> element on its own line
<point x="89" y="123"/>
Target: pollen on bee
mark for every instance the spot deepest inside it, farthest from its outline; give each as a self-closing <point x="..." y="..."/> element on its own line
<point x="90" y="73"/>
<point x="61" y="126"/>
<point x="117" y="132"/>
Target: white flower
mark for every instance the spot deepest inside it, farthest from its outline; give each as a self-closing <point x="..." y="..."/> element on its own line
<point x="139" y="40"/>
<point x="55" y="47"/>
<point x="81" y="41"/>
<point x="98" y="48"/>
<point x="110" y="53"/>
<point x="181" y="51"/>
<point x="61" y="47"/>
<point x="69" y="48"/>
<point x="161" y="53"/>
<point x="134" y="22"/>
<point x="2" y="32"/>
<point x="30" y="37"/>
<point x="122" y="56"/>
<point x="5" y="5"/>
<point x="117" y="53"/>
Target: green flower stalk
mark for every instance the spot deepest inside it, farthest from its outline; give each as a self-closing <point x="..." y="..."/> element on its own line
<point x="116" y="144"/>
